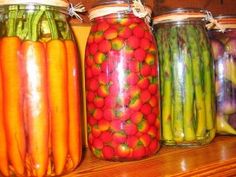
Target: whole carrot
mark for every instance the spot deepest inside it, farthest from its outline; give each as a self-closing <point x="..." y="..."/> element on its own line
<point x="74" y="103"/>
<point x="3" y="143"/>
<point x="34" y="68"/>
<point x="58" y="101"/>
<point x="12" y="108"/>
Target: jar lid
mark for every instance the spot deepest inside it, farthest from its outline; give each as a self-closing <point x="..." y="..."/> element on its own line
<point x="109" y="2"/>
<point x="181" y="14"/>
<point x="112" y="7"/>
<point x="227" y="21"/>
<point x="56" y="3"/>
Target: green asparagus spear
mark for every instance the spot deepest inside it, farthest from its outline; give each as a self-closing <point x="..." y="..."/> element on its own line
<point x="20" y="24"/>
<point x="159" y="37"/>
<point x="11" y="23"/>
<point x="198" y="81"/>
<point x="166" y="88"/>
<point x="208" y="78"/>
<point x="177" y="74"/>
<point x="189" y="133"/>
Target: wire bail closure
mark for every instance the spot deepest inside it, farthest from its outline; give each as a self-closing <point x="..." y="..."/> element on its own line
<point x="213" y="23"/>
<point x="140" y="10"/>
<point x="74" y="10"/>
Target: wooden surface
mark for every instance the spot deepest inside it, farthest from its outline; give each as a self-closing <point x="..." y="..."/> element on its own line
<point x="215" y="6"/>
<point x="215" y="159"/>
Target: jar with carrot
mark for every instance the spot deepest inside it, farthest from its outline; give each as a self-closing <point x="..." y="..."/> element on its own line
<point x="40" y="133"/>
<point x="122" y="83"/>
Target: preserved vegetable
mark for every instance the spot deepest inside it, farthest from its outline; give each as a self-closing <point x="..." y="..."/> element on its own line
<point x="121" y="86"/>
<point x="224" y="52"/>
<point x="39" y="96"/>
<point x="186" y="70"/>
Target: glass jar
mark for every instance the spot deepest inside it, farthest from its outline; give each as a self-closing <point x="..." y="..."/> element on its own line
<point x="224" y="53"/>
<point x="39" y="96"/>
<point x="186" y="72"/>
<point x="122" y="93"/>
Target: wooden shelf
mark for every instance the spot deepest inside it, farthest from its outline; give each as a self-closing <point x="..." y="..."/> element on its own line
<point x="216" y="159"/>
<point x="215" y="6"/>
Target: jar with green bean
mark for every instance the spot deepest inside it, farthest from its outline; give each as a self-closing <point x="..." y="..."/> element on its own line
<point x="187" y="78"/>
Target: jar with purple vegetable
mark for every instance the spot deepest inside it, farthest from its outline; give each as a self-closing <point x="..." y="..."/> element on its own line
<point x="122" y="93"/>
<point x="224" y="52"/>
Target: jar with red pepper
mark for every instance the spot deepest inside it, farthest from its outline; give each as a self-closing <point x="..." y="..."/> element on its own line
<point x="40" y="133"/>
<point x="122" y="82"/>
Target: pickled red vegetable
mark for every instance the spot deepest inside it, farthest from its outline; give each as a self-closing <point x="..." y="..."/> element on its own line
<point x="122" y="89"/>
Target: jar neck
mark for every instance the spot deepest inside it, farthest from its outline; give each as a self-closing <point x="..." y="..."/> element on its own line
<point x="119" y="15"/>
<point x="31" y="7"/>
<point x="228" y="22"/>
<point x="53" y="3"/>
<point x="182" y="15"/>
<point x="136" y="9"/>
<point x="34" y="22"/>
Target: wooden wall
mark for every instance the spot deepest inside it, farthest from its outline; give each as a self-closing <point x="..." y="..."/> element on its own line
<point x="215" y="6"/>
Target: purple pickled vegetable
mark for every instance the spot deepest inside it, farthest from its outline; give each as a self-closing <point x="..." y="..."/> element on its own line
<point x="217" y="49"/>
<point x="227" y="107"/>
<point x="230" y="47"/>
<point x="232" y="120"/>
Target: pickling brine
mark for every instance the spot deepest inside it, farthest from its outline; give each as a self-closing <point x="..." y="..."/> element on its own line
<point x="224" y="52"/>
<point x="121" y="85"/>
<point x="39" y="91"/>
<point x="186" y="72"/>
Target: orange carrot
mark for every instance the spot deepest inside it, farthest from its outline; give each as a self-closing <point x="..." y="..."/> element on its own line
<point x="34" y="68"/>
<point x="58" y="101"/>
<point x="3" y="143"/>
<point x="74" y="103"/>
<point x="12" y="108"/>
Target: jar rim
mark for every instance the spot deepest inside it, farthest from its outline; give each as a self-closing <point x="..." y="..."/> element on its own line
<point x="32" y="7"/>
<point x="107" y="9"/>
<point x="55" y="3"/>
<point x="181" y="14"/>
<point x="107" y="3"/>
<point x="227" y="21"/>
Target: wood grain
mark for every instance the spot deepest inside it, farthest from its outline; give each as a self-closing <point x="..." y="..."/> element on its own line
<point x="215" y="6"/>
<point x="215" y="159"/>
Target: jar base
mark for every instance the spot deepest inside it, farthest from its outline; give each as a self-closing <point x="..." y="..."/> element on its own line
<point x="199" y="141"/>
